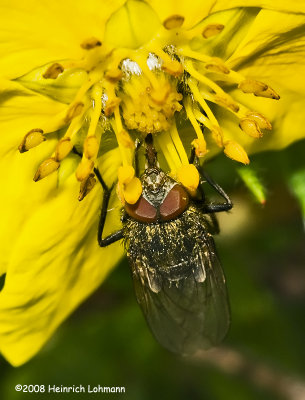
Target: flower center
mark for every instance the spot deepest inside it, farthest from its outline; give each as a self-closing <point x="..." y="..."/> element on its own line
<point x="139" y="86"/>
<point x="146" y="109"/>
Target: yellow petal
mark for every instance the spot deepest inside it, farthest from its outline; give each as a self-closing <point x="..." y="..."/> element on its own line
<point x="274" y="48"/>
<point x="274" y="51"/>
<point x="132" y="25"/>
<point x="197" y="10"/>
<point x="63" y="88"/>
<point x="34" y="33"/>
<point x="18" y="115"/>
<point x="56" y="264"/>
<point x="294" y="6"/>
<point x="22" y="110"/>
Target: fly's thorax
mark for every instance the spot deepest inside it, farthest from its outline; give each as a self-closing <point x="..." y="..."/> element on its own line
<point x="171" y="249"/>
<point x="162" y="199"/>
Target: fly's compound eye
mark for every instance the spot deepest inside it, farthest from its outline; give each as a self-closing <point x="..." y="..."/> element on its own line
<point x="174" y="203"/>
<point x="142" y="211"/>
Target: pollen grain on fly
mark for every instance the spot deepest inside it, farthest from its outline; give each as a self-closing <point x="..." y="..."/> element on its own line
<point x="136" y="91"/>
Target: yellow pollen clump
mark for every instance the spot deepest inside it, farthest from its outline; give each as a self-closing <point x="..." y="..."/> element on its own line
<point x="149" y="110"/>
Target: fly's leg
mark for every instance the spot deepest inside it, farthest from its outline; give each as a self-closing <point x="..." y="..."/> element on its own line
<point x="210" y="207"/>
<point x="106" y="196"/>
<point x="216" y="207"/>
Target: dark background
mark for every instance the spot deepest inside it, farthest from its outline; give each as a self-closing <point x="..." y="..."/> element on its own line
<point x="106" y="341"/>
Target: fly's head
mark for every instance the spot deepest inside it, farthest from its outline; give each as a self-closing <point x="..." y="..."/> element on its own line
<point x="162" y="198"/>
<point x="156" y="184"/>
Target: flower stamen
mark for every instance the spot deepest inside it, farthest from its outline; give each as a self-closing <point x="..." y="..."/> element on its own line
<point x="46" y="168"/>
<point x="212" y="30"/>
<point x="199" y="144"/>
<point x="86" y="186"/>
<point x="32" y="139"/>
<point x="173" y="22"/>
<point x="53" y="71"/>
<point x="90" y="43"/>
<point x="178" y="144"/>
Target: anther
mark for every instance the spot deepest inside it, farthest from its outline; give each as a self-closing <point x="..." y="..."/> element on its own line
<point x="32" y="139"/>
<point x="173" y="22"/>
<point x="268" y="93"/>
<point x="125" y="139"/>
<point x="236" y="152"/>
<point x="173" y="68"/>
<point x="86" y="186"/>
<point x="217" y="135"/>
<point x="113" y="75"/>
<point x="53" y="71"/>
<point x="111" y="106"/>
<point x="73" y="111"/>
<point x="260" y="119"/>
<point x="91" y="147"/>
<point x="250" y="127"/>
<point x="84" y="169"/>
<point x="226" y="101"/>
<point x="46" y="168"/>
<point x="188" y="175"/>
<point x="132" y="190"/>
<point x="216" y="65"/>
<point x="252" y="86"/>
<point x="125" y="174"/>
<point x="63" y="148"/>
<point x="200" y="147"/>
<point x="212" y="30"/>
<point x="90" y="43"/>
<point x="129" y="186"/>
<point x="258" y="89"/>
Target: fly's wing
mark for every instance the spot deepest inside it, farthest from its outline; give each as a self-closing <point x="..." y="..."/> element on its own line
<point x="191" y="315"/>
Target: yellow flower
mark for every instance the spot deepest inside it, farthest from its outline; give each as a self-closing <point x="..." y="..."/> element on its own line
<point x="93" y="76"/>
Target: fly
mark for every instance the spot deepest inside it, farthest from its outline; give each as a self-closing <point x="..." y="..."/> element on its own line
<point x="178" y="280"/>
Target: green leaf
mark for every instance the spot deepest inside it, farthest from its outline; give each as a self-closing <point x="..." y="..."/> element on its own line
<point x="250" y="177"/>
